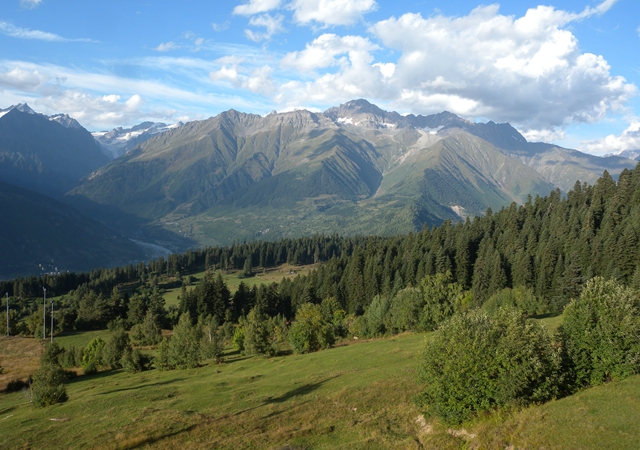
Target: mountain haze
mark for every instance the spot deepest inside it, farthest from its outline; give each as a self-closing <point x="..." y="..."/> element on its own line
<point x="43" y="154"/>
<point x="352" y="169"/>
<point x="40" y="234"/>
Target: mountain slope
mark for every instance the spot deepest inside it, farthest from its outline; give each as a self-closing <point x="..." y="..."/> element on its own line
<point x="40" y="234"/>
<point x="41" y="154"/>
<point x="353" y="169"/>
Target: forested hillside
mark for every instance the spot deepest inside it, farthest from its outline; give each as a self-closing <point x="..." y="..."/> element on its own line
<point x="549" y="245"/>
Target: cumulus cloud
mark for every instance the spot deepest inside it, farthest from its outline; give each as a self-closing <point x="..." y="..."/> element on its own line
<point x="357" y="75"/>
<point x="257" y="80"/>
<point x="628" y="140"/>
<point x="272" y="26"/>
<point x="167" y="47"/>
<point x="30" y="4"/>
<point x="24" y="80"/>
<point x="526" y="70"/>
<point x="25" y="33"/>
<point x="324" y="50"/>
<point x="256" y="7"/>
<point x="330" y="12"/>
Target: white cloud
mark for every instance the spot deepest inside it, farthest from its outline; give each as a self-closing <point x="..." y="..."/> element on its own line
<point x="24" y="80"/>
<point x="330" y="12"/>
<point x="30" y="4"/>
<point x="526" y="70"/>
<point x="198" y="41"/>
<point x="357" y="75"/>
<point x="628" y="140"/>
<point x="218" y="27"/>
<point x="25" y="33"/>
<point x="325" y="49"/>
<point x="257" y="80"/>
<point x="167" y="47"/>
<point x="544" y="135"/>
<point x="256" y="7"/>
<point x="272" y="24"/>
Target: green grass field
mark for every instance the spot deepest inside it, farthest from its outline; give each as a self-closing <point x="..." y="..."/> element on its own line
<point x="352" y="396"/>
<point x="233" y="280"/>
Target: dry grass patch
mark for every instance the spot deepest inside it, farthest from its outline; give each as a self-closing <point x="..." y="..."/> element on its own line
<point x="19" y="358"/>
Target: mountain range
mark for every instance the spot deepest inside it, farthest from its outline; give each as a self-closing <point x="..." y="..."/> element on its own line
<point x="353" y="169"/>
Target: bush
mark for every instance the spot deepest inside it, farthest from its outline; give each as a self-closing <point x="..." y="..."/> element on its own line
<point x="53" y="354"/>
<point x="92" y="357"/>
<point x="404" y="312"/>
<point x="48" y="385"/>
<point x="601" y="333"/>
<point x="442" y="298"/>
<point x="238" y="338"/>
<point x="185" y="351"/>
<point x="133" y="361"/>
<point x="115" y="348"/>
<point x="310" y="332"/>
<point x="148" y="332"/>
<point x="477" y="362"/>
<point x="257" y="340"/>
<point x="519" y="297"/>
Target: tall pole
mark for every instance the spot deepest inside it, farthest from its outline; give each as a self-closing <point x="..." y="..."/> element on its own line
<point x="44" y="314"/>
<point x="52" y="320"/>
<point x="7" y="296"/>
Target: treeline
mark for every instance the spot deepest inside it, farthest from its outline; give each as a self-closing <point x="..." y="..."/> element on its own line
<point x="548" y="246"/>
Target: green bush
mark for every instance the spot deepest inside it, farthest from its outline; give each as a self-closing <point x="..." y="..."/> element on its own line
<point x="404" y="312"/>
<point x="48" y="385"/>
<point x="442" y="298"/>
<point x="477" y="362"/>
<point x="519" y="297"/>
<point x="183" y="350"/>
<point x="238" y="338"/>
<point x="92" y="357"/>
<point x="133" y="361"/>
<point x="115" y="348"/>
<point x="310" y="332"/>
<point x="601" y="333"/>
<point x="257" y="339"/>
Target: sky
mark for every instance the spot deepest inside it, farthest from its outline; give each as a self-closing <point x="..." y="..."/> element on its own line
<point x="566" y="72"/>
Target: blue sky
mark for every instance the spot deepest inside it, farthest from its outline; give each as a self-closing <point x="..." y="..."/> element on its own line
<point x="566" y="72"/>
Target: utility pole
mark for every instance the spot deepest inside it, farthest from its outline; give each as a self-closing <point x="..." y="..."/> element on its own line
<point x="52" y="320"/>
<point x="44" y="314"/>
<point x="7" y="296"/>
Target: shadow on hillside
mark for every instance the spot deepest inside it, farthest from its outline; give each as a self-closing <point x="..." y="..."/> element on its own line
<point x="142" y="386"/>
<point x="299" y="391"/>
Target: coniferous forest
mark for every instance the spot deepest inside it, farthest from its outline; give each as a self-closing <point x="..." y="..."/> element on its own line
<point x="548" y="246"/>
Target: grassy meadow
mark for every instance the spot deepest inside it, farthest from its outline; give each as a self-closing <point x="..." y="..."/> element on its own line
<point x="356" y="395"/>
<point x="233" y="279"/>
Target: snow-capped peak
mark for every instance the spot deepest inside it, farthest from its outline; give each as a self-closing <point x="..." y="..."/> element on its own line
<point x="119" y="141"/>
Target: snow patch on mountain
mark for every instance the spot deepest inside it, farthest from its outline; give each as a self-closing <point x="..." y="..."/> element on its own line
<point x="119" y="141"/>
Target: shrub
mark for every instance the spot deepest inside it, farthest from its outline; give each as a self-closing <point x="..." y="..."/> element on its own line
<point x="257" y="340"/>
<point x="53" y="354"/>
<point x="477" y="362"/>
<point x="185" y="346"/>
<point x="404" y="312"/>
<point x="115" y="348"/>
<point x="238" y="338"/>
<point x="310" y="332"/>
<point x="48" y="385"/>
<point x="442" y="298"/>
<point x="601" y="333"/>
<point x="92" y="357"/>
<point x="519" y="297"/>
<point x="148" y="332"/>
<point x="133" y="361"/>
